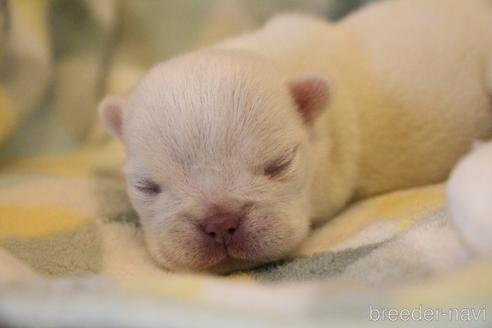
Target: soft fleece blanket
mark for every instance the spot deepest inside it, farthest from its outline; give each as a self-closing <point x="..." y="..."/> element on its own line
<point x="72" y="253"/>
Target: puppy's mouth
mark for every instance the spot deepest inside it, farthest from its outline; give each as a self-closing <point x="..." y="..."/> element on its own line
<point x="249" y="247"/>
<point x="239" y="252"/>
<point x="219" y="259"/>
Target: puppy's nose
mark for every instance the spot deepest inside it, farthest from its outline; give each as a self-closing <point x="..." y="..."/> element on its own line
<point x="221" y="227"/>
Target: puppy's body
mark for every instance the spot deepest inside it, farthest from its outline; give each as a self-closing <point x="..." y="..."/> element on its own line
<point x="233" y="151"/>
<point x="408" y="85"/>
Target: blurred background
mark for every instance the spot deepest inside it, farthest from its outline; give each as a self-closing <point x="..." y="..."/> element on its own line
<point x="58" y="58"/>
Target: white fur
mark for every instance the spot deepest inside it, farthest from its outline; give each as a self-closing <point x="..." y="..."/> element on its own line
<point x="408" y="94"/>
<point x="204" y="135"/>
<point x="470" y="198"/>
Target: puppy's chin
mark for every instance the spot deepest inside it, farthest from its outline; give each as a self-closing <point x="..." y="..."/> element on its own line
<point x="219" y="264"/>
<point x="230" y="265"/>
<point x="216" y="261"/>
<point x="257" y="242"/>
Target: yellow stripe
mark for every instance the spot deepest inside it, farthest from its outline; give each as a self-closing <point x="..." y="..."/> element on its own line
<point x="24" y="222"/>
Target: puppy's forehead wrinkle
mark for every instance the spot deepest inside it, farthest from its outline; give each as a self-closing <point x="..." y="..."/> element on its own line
<point x="210" y="109"/>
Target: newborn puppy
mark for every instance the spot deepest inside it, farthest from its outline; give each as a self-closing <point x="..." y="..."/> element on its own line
<point x="235" y="150"/>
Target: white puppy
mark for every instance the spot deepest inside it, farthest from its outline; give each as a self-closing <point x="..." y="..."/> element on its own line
<point x="234" y="150"/>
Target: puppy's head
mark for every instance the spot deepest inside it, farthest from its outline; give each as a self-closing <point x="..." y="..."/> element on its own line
<point x="218" y="162"/>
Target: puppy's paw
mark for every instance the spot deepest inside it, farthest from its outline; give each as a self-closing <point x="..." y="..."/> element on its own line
<point x="470" y="198"/>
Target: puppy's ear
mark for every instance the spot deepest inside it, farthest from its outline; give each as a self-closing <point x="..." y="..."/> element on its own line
<point x="111" y="113"/>
<point x="311" y="95"/>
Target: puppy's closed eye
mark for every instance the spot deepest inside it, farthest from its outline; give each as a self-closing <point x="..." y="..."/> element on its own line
<point x="148" y="187"/>
<point x="280" y="165"/>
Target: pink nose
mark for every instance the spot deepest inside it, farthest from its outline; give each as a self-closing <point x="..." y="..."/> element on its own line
<point x="221" y="228"/>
